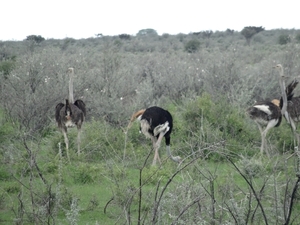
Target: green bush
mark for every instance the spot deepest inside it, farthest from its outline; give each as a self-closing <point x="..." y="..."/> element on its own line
<point x="298" y="38"/>
<point x="206" y="125"/>
<point x="192" y="46"/>
<point x="101" y="141"/>
<point x="6" y="67"/>
<point x="4" y="174"/>
<point x="6" y="127"/>
<point x="86" y="173"/>
<point x="284" y="39"/>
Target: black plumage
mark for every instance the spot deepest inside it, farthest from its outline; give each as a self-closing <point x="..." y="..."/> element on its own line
<point x="156" y="123"/>
<point x="70" y="115"/>
<point x="265" y="112"/>
<point x="157" y="118"/>
<point x="293" y="104"/>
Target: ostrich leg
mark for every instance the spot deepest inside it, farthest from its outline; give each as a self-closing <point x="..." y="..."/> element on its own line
<point x="156" y="148"/>
<point x="78" y="141"/>
<point x="64" y="131"/>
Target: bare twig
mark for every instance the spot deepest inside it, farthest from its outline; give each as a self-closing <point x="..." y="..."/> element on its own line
<point x="196" y="200"/>
<point x="252" y="189"/>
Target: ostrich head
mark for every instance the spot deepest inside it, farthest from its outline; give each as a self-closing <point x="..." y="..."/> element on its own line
<point x="177" y="159"/>
<point x="280" y="68"/>
<point x="70" y="70"/>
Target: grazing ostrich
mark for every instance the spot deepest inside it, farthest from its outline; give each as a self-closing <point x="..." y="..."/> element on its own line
<point x="269" y="114"/>
<point x="156" y="123"/>
<point x="70" y="114"/>
<point x="265" y="113"/>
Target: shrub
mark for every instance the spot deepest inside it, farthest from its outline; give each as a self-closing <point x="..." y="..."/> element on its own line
<point x="4" y="174"/>
<point x="205" y="125"/>
<point x="85" y="173"/>
<point x="298" y="38"/>
<point x="6" y="67"/>
<point x="284" y="39"/>
<point x="192" y="46"/>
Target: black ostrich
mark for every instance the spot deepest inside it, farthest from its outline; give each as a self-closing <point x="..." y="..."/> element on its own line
<point x="70" y="114"/>
<point x="268" y="114"/>
<point x="156" y="123"/>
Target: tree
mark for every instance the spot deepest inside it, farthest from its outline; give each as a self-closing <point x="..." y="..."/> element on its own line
<point x="249" y="32"/>
<point x="35" y="38"/>
<point x="124" y="36"/>
<point x="147" y="32"/>
<point x="205" y="34"/>
<point x="229" y="31"/>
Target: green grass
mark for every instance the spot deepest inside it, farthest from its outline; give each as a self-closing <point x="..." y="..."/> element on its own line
<point x="122" y="184"/>
<point x="105" y="187"/>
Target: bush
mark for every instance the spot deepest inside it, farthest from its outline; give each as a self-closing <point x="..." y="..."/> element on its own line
<point x="86" y="173"/>
<point x="298" y="38"/>
<point x="205" y="125"/>
<point x="6" y="67"/>
<point x="284" y="39"/>
<point x="192" y="46"/>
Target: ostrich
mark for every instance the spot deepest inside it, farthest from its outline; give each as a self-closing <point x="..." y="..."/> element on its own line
<point x="265" y="113"/>
<point x="268" y="113"/>
<point x="292" y="114"/>
<point x="293" y="108"/>
<point x="70" y="114"/>
<point x="156" y="123"/>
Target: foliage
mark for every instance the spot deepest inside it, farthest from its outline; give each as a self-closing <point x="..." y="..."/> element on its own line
<point x="298" y="38"/>
<point x="85" y="173"/>
<point x="204" y="125"/>
<point x="283" y="39"/>
<point x="124" y="36"/>
<point x="6" y="127"/>
<point x="6" y="67"/>
<point x="192" y="46"/>
<point x="249" y="32"/>
<point x="36" y="38"/>
<point x="147" y="32"/>
<point x="112" y="181"/>
<point x="204" y="34"/>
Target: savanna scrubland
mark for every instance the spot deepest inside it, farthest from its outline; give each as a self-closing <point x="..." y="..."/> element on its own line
<point x="206" y="80"/>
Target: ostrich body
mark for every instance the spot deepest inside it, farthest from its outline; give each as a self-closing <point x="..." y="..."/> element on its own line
<point x="292" y="114"/>
<point x="293" y="105"/>
<point x="265" y="114"/>
<point x="269" y="114"/>
<point x="70" y="114"/>
<point x="156" y="123"/>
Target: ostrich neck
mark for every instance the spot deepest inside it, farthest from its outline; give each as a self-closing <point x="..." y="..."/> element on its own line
<point x="169" y="154"/>
<point x="283" y="93"/>
<point x="71" y="97"/>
